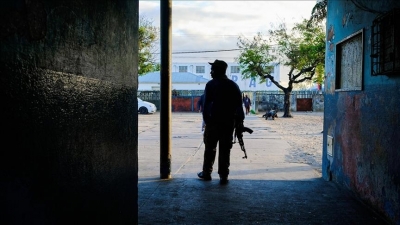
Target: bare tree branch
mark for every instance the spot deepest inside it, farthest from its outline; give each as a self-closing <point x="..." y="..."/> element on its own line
<point x="303" y="79"/>
<point x="304" y="70"/>
<point x="269" y="76"/>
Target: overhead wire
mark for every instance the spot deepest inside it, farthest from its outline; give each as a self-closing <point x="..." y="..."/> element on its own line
<point x="205" y="51"/>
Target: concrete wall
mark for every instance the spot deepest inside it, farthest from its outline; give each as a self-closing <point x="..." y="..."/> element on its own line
<point x="265" y="101"/>
<point x="68" y="75"/>
<point x="318" y="103"/>
<point x="364" y="124"/>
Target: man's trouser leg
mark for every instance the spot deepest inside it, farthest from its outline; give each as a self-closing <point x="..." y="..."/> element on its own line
<point x="225" y="146"/>
<point x="210" y="143"/>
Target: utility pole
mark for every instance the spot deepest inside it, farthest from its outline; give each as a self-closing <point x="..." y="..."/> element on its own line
<point x="165" y="88"/>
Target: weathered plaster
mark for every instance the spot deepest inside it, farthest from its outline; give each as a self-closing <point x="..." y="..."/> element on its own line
<point x="68" y="76"/>
<point x="365" y="124"/>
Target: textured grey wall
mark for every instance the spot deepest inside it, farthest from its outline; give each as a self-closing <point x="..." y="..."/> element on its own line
<point x="68" y="76"/>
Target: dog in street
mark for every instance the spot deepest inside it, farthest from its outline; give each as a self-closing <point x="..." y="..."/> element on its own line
<point x="271" y="114"/>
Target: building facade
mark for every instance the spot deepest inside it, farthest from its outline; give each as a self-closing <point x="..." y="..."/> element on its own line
<point x="179" y="80"/>
<point x="233" y="72"/>
<point x="362" y="102"/>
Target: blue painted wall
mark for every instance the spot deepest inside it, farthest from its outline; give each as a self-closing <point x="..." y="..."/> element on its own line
<point x="68" y="84"/>
<point x="364" y="124"/>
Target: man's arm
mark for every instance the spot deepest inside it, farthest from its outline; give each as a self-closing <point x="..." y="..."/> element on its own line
<point x="206" y="106"/>
<point x="239" y="117"/>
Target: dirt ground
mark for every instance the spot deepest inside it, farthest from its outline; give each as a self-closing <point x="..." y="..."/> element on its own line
<point x="304" y="134"/>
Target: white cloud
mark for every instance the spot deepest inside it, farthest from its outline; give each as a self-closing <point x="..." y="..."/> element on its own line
<point x="216" y="25"/>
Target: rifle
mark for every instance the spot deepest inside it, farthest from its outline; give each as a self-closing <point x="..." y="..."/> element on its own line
<point x="239" y="130"/>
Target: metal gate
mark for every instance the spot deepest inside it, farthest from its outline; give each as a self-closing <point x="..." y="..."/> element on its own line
<point x="304" y="104"/>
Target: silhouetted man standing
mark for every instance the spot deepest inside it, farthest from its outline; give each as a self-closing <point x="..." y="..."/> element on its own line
<point x="222" y="110"/>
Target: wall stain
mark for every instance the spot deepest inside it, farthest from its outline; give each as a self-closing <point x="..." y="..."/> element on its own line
<point x="331" y="34"/>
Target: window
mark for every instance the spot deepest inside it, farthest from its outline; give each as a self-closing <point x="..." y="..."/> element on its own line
<point x="235" y="69"/>
<point x="200" y="69"/>
<point x="183" y="69"/>
<point x="349" y="63"/>
<point x="385" y="55"/>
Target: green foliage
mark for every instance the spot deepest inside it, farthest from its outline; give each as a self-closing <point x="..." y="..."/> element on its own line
<point x="319" y="75"/>
<point x="302" y="50"/>
<point x="148" y="36"/>
<point x="156" y="67"/>
<point x="255" y="55"/>
<point x="311" y="46"/>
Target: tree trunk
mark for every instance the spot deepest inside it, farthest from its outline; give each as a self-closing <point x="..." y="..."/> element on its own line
<point x="286" y="106"/>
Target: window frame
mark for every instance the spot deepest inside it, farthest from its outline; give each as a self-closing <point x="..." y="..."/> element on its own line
<point x="340" y="46"/>
<point x="234" y="71"/>
<point x="179" y="69"/>
<point x="385" y="36"/>
<point x="201" y="68"/>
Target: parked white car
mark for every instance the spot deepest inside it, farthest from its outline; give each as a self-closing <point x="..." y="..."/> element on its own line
<point x="146" y="107"/>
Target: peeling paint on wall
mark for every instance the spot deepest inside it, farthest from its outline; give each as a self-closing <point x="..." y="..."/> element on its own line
<point x="365" y="124"/>
<point x="331" y="34"/>
<point x="346" y="18"/>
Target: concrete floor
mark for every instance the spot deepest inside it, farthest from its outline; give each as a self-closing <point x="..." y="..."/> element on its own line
<point x="263" y="189"/>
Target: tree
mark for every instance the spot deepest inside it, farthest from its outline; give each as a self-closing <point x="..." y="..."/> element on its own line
<point x="319" y="76"/>
<point x="318" y="13"/>
<point x="302" y="50"/>
<point x="148" y="36"/>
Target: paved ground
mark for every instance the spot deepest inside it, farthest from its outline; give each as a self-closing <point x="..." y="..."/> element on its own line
<point x="263" y="189"/>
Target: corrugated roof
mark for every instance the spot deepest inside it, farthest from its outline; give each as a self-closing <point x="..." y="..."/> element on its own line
<point x="177" y="77"/>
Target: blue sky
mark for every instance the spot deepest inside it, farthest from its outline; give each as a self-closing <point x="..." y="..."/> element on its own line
<point x="216" y="25"/>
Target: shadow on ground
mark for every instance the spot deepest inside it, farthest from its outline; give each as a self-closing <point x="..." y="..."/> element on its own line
<point x="193" y="201"/>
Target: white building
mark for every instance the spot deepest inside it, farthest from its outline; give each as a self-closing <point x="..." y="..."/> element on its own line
<point x="233" y="72"/>
<point x="179" y="80"/>
<point x="203" y="70"/>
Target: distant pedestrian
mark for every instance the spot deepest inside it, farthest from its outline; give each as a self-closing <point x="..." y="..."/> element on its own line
<point x="222" y="112"/>
<point x="247" y="104"/>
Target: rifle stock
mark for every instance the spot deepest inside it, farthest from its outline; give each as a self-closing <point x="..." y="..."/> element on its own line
<point x="239" y="134"/>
